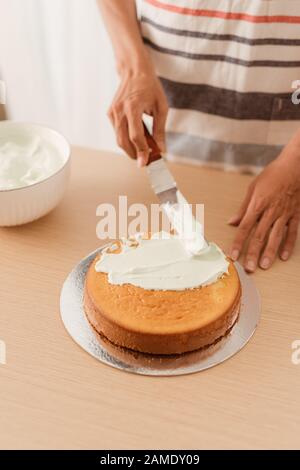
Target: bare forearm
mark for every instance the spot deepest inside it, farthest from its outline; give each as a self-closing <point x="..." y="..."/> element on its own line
<point x="140" y="91"/>
<point x="121" y="21"/>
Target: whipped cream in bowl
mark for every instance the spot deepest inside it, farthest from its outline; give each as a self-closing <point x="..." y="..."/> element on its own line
<point x="34" y="170"/>
<point x="28" y="161"/>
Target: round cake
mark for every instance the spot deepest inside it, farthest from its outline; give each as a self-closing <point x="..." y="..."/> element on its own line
<point x="139" y="310"/>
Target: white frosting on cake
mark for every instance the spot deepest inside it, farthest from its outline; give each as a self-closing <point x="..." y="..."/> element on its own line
<point x="162" y="263"/>
<point x="188" y="228"/>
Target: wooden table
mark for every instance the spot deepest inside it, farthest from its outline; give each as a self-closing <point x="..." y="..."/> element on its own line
<point x="54" y="395"/>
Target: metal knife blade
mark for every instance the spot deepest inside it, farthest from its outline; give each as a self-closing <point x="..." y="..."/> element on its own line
<point x="165" y="187"/>
<point x="161" y="179"/>
<point x="162" y="182"/>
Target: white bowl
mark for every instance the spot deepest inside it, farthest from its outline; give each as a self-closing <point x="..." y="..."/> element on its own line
<point x="21" y="205"/>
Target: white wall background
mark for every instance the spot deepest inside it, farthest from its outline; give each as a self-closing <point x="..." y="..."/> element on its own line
<point x="58" y="65"/>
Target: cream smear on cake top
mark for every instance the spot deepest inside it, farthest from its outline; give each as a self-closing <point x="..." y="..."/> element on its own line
<point x="162" y="263"/>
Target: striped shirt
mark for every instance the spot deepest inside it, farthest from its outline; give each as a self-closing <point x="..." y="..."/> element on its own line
<point x="227" y="67"/>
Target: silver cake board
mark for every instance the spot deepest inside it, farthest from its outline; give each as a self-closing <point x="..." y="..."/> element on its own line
<point x="77" y="325"/>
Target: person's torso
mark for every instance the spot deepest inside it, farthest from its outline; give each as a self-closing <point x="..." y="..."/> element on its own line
<point x="228" y="68"/>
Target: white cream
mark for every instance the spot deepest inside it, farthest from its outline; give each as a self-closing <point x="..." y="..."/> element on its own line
<point x="162" y="263"/>
<point x="26" y="162"/>
<point x="180" y="215"/>
<point x="189" y="230"/>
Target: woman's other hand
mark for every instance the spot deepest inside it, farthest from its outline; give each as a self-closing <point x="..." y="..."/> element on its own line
<point x="269" y="216"/>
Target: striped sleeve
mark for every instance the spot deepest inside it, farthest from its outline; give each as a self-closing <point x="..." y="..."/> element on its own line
<point x="227" y="68"/>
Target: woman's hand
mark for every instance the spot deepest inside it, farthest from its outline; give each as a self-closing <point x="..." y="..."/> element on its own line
<point x="139" y="93"/>
<point x="269" y="216"/>
<point x="140" y="90"/>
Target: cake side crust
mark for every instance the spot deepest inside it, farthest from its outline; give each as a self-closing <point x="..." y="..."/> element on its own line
<point x="156" y="342"/>
<point x="162" y="311"/>
<point x="160" y="344"/>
